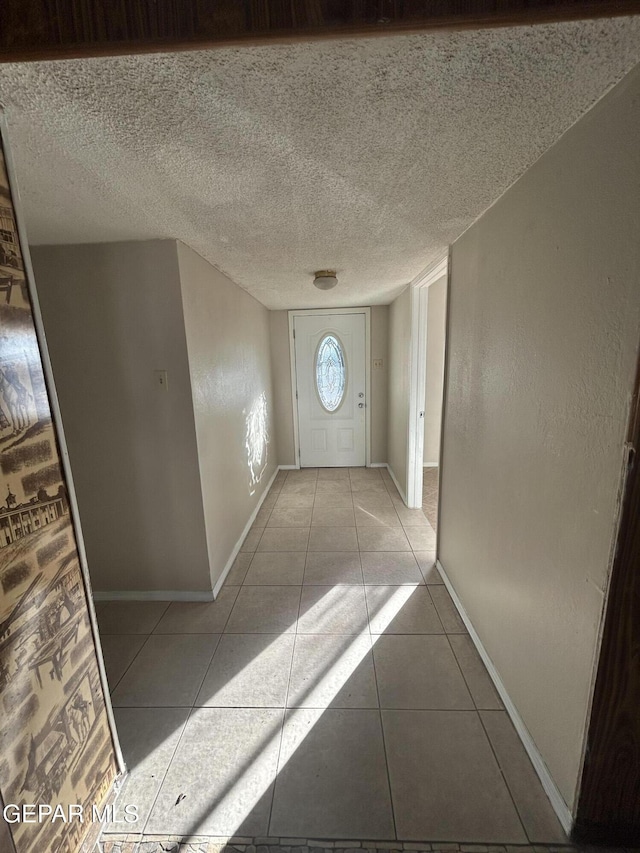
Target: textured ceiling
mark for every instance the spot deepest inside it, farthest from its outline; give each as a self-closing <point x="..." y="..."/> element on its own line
<point x="368" y="156"/>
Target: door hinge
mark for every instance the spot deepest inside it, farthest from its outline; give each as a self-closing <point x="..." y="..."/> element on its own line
<point x="294" y="334"/>
<point x="296" y="393"/>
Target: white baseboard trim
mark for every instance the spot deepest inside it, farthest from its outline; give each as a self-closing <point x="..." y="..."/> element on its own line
<point x="236" y="549"/>
<point x="397" y="485"/>
<point x="430" y="464"/>
<point x="378" y="465"/>
<point x="153" y="595"/>
<point x="288" y="468"/>
<point x="555" y="797"/>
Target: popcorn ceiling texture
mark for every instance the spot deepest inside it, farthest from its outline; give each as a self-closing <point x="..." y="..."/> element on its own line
<point x="368" y="156"/>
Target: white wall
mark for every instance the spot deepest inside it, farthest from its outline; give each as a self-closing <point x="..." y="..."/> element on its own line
<point x="281" y="372"/>
<point x="228" y="344"/>
<point x="543" y="340"/>
<point x="399" y="374"/>
<point x="113" y="315"/>
<point x="436" y="321"/>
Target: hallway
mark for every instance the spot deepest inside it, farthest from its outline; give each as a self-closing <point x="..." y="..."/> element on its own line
<point x="330" y="692"/>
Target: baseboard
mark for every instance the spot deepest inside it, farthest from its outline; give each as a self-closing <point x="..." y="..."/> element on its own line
<point x="154" y="595"/>
<point x="555" y="797"/>
<point x="287" y="468"/>
<point x="236" y="549"/>
<point x="378" y="465"/>
<point x="430" y="464"/>
<point x="397" y="485"/>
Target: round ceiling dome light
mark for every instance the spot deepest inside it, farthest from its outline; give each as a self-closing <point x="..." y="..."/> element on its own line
<point x="325" y="279"/>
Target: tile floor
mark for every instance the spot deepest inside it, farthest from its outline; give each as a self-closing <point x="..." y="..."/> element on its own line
<point x="430" y="483"/>
<point x="331" y="691"/>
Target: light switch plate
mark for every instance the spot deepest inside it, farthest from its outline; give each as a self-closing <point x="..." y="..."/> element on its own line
<point x="162" y="380"/>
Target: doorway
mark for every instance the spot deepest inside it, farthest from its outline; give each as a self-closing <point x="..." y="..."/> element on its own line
<point x="428" y="344"/>
<point x="329" y="352"/>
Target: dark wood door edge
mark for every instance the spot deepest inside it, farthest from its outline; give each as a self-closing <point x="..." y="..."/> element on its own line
<point x="609" y="799"/>
<point x="36" y="29"/>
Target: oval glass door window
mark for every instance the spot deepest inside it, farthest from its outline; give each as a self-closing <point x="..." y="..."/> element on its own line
<point x="331" y="373"/>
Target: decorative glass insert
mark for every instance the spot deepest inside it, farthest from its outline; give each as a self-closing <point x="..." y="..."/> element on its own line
<point x="331" y="372"/>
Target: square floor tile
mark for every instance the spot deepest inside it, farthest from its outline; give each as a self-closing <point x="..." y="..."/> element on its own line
<point x="427" y="562"/>
<point x="382" y="539"/>
<point x="402" y="610"/>
<point x="239" y="569"/>
<point x="248" y="671"/>
<point x="412" y="517"/>
<point x="220" y="781"/>
<point x="445" y="782"/>
<point x="334" y="499"/>
<point x="262" y="516"/>
<point x="251" y="540"/>
<point x="333" y="671"/>
<point x="380" y="516"/>
<point x="475" y="673"/>
<point x="284" y="539"/>
<point x="167" y="672"/>
<point x="294" y="500"/>
<point x="276" y="567"/>
<point x="332" y="610"/>
<point x="332" y="779"/>
<point x="419" y="671"/>
<point x="539" y="819"/>
<point x="390" y="567"/>
<point x="372" y="503"/>
<point x="333" y="539"/>
<point x="333" y="516"/>
<point x="333" y="567"/>
<point x="447" y="610"/>
<point x="331" y="487"/>
<point x="199" y="617"/>
<point x="421" y="538"/>
<point x="118" y="651"/>
<point x="130" y="617"/>
<point x="265" y="610"/>
<point x="148" y="737"/>
<point x="290" y="516"/>
<point x="333" y="474"/>
<point x="302" y="487"/>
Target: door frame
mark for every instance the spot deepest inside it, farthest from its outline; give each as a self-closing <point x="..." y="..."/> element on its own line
<point x="418" y="375"/>
<point x="56" y="419"/>
<point x="307" y="312"/>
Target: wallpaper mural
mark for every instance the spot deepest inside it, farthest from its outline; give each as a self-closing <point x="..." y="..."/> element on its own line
<point x="55" y="743"/>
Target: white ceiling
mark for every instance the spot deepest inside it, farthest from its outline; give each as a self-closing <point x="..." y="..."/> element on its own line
<point x="368" y="156"/>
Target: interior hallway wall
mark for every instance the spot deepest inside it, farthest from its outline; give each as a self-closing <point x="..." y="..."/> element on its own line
<point x="227" y="333"/>
<point x="399" y="370"/>
<point x="283" y="401"/>
<point x="113" y="316"/>
<point x="436" y="322"/>
<point x="543" y="340"/>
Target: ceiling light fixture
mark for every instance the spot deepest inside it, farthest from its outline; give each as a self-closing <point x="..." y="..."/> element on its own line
<point x="325" y="279"/>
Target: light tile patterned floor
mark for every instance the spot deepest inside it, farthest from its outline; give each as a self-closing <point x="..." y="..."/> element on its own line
<point x="430" y="484"/>
<point x="331" y="692"/>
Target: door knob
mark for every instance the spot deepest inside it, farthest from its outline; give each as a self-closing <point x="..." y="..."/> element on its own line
<point x="361" y="405"/>
<point x="361" y="394"/>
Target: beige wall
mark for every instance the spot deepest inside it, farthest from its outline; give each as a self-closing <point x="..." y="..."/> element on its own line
<point x="544" y="329"/>
<point x="282" y="400"/>
<point x="281" y="378"/>
<point x="399" y="365"/>
<point x="113" y="315"/>
<point x="227" y="335"/>
<point x="436" y="319"/>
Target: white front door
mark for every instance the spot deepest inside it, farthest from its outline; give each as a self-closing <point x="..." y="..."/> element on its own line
<point x="330" y="357"/>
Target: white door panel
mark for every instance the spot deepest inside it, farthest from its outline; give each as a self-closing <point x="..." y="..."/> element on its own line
<point x="331" y="409"/>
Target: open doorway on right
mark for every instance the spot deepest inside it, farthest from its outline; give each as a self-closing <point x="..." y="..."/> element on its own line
<point x="433" y="312"/>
